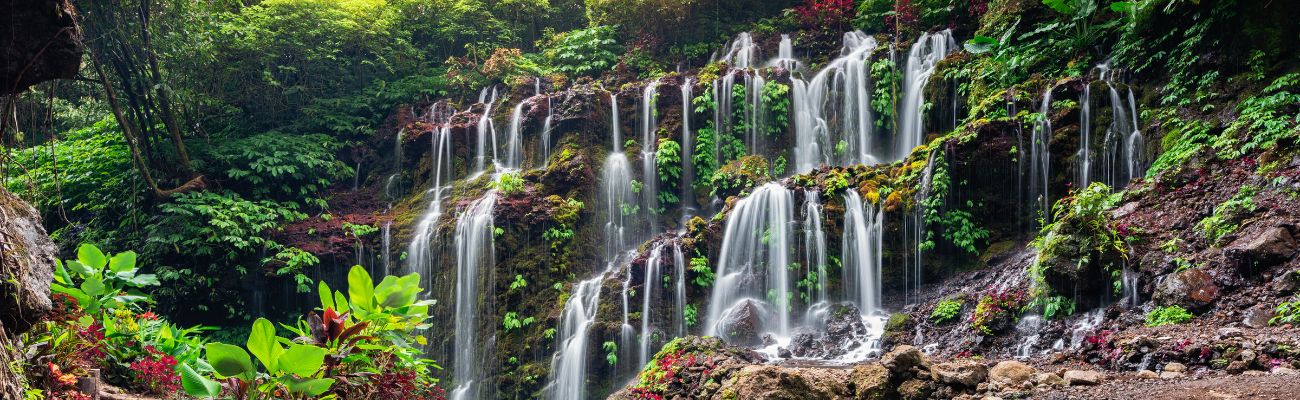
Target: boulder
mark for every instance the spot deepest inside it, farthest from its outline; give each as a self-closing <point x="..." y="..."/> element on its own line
<point x="742" y="325"/>
<point x="1268" y="248"/>
<point x="869" y="381"/>
<point x="1193" y="289"/>
<point x="1049" y="379"/>
<point x="963" y="373"/>
<point x="1147" y="374"/>
<point x="42" y="42"/>
<point x="1011" y="373"/>
<point x="1082" y="378"/>
<point x="844" y="332"/>
<point x="1175" y="367"/>
<point x="26" y="269"/>
<point x="915" y="389"/>
<point x="776" y="382"/>
<point x="903" y="358"/>
<point x="1171" y="375"/>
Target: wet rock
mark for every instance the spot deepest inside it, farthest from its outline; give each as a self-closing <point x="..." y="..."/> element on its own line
<point x="844" y="332"/>
<point x="869" y="381"/>
<point x="1192" y="289"/>
<point x="903" y="358"/>
<point x="1268" y="248"/>
<point x="26" y="269"/>
<point x="741" y="326"/>
<point x="1082" y="378"/>
<point x="1147" y="374"/>
<point x="1049" y="379"/>
<point x="915" y="389"/>
<point x="965" y="373"/>
<point x="1011" y="373"/>
<point x="1286" y="283"/>
<point x="1230" y="333"/>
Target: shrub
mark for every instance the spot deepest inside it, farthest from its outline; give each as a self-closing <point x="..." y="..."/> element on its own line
<point x="582" y="52"/>
<point x="946" y="310"/>
<point x="1080" y="246"/>
<point x="509" y="183"/>
<point x="1286" y="313"/>
<point x="1168" y="315"/>
<point x="995" y="311"/>
<point x="1228" y="214"/>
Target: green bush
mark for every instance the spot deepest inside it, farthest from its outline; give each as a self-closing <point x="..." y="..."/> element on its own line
<point x="583" y="52"/>
<point x="1168" y="315"/>
<point x="946" y="310"/>
<point x="280" y="166"/>
<point x="1286" y="313"/>
<point x="1079" y="243"/>
<point x="1229" y="214"/>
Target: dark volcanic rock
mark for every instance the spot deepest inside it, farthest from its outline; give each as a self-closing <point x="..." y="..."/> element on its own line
<point x="1192" y="289"/>
<point x="1271" y="247"/>
<point x="742" y="326"/>
<point x="844" y="332"/>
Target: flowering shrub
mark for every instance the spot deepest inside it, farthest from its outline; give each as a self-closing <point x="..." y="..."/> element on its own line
<point x="996" y="308"/>
<point x="664" y="374"/>
<point x="156" y="373"/>
<point x="825" y="14"/>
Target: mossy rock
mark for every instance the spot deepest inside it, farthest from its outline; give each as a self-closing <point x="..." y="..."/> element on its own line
<point x="739" y="176"/>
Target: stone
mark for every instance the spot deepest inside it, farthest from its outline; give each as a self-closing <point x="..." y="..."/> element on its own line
<point x="1230" y="333"/>
<point x="26" y="270"/>
<point x="1175" y="367"/>
<point x="1011" y="373"/>
<point x="869" y="381"/>
<point x="1266" y="249"/>
<point x="1193" y="289"/>
<point x="1257" y="317"/>
<point x="844" y="332"/>
<point x="964" y="373"/>
<point x="1171" y="375"/>
<point x="915" y="389"/>
<point x="1286" y="283"/>
<point x="1284" y="371"/>
<point x="740" y="326"/>
<point x="776" y="382"/>
<point x="1049" y="379"/>
<point x="41" y="42"/>
<point x="1237" y="367"/>
<point x="903" y="358"/>
<point x="1147" y="374"/>
<point x="1083" y="378"/>
<point x="1247" y="356"/>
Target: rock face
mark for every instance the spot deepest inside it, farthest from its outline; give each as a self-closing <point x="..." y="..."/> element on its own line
<point x="1269" y="248"/>
<point x="26" y="269"/>
<point x="844" y="332"/>
<point x="1192" y="289"/>
<point x="41" y="41"/>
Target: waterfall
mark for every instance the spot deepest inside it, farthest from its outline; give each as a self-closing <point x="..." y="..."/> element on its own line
<point x="851" y="141"/>
<point x="484" y="130"/>
<point x="474" y="253"/>
<point x="1133" y="151"/>
<point x="390" y="183"/>
<point x="1122" y="157"/>
<point x="569" y="364"/>
<point x="914" y="225"/>
<point x="688" y="153"/>
<point x="1040" y="158"/>
<point x="785" y="55"/>
<point x="546" y="132"/>
<point x="740" y="53"/>
<point x="616" y="184"/>
<point x="1085" y="137"/>
<point x="387" y="256"/>
<point x="514" y="150"/>
<point x="647" y="294"/>
<point x="814" y="245"/>
<point x="926" y="53"/>
<point x="420" y="251"/>
<point x="753" y="260"/>
<point x="862" y="248"/>
<point x="679" y="292"/>
<point x="649" y="144"/>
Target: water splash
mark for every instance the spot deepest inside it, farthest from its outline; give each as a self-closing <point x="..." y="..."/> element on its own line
<point x="753" y="259"/>
<point x="863" y="231"/>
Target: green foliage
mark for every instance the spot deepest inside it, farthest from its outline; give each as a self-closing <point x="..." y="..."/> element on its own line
<point x="994" y="308"/>
<point x="946" y="310"/>
<point x="101" y="282"/>
<point x="1263" y="120"/>
<point x="668" y="160"/>
<point x="1229" y="214"/>
<point x="1168" y="315"/>
<point x="703" y="272"/>
<point x="280" y="166"/>
<point x="776" y="97"/>
<point x="958" y="226"/>
<point x="1081" y="235"/>
<point x="511" y="321"/>
<point x="509" y="183"/>
<point x="611" y="352"/>
<point x="885" y="78"/>
<point x="1054" y="306"/>
<point x="835" y="182"/>
<point x="518" y="283"/>
<point x="584" y="51"/>
<point x="1287" y="313"/>
<point x="810" y="283"/>
<point x="690" y="315"/>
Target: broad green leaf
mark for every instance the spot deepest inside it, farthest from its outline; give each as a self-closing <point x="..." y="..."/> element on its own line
<point x="341" y="302"/>
<point x="1121" y="6"/>
<point x="197" y="385"/>
<point x="361" y="289"/>
<point x="91" y="257"/>
<point x="78" y="268"/>
<point x="263" y="344"/>
<point x="122" y="262"/>
<point x="61" y="274"/>
<point x="302" y="360"/>
<point x="144" y="280"/>
<point x="326" y="300"/>
<point x="980" y="44"/>
<point x="228" y="360"/>
<point x="93" y="286"/>
<point x="309" y="387"/>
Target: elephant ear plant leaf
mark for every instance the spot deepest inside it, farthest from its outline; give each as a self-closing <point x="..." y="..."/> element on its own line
<point x="96" y="287"/>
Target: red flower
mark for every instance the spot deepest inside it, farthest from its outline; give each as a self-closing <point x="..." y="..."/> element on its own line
<point x="149" y="315"/>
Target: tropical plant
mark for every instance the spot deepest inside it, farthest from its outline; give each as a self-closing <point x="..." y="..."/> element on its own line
<point x="1166" y="315"/>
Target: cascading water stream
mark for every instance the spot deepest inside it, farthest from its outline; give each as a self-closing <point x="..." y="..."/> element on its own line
<point x="679" y="292"/>
<point x="753" y="259"/>
<point x="474" y="255"/>
<point x="863" y="231"/>
<point x="741" y="52"/>
<point x="486" y="132"/>
<point x="649" y="144"/>
<point x="925" y="55"/>
<point x="647" y="294"/>
<point x="815" y="110"/>
<point x="1040" y="158"/>
<point x="814" y="242"/>
<point x="785" y="55"/>
<point x="687" y="197"/>
<point x="616" y="184"/>
<point x="420" y="250"/>
<point x="569" y="364"/>
<point x="1084" y="177"/>
<point x="514" y="138"/>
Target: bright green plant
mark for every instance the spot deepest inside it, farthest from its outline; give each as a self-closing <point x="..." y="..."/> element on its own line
<point x="511" y="321"/>
<point x="584" y="51"/>
<point x="611" y="352"/>
<point x="704" y="275"/>
<point x="946" y="310"/>
<point x="281" y="166"/>
<point x="518" y="283"/>
<point x="668" y="160"/>
<point x="1167" y="315"/>
<point x="509" y="183"/>
<point x="1286" y="313"/>
<point x="690" y="315"/>
<point x="96" y="287"/>
<point x="776" y="97"/>
<point x="295" y="368"/>
<point x="1229" y="214"/>
<point x="1053" y="306"/>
